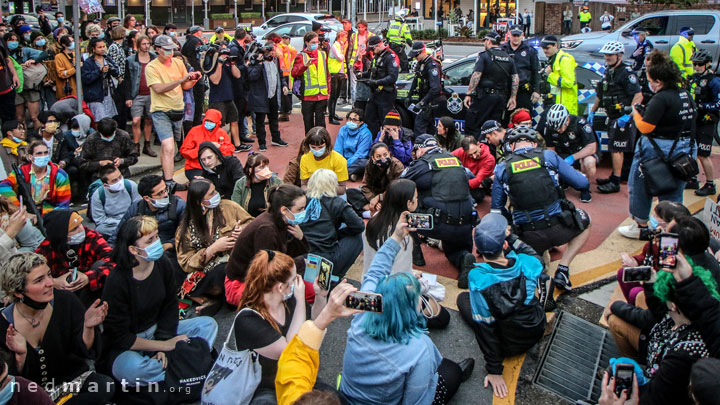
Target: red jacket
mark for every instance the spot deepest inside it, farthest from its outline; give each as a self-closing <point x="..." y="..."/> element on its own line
<point x="299" y="68"/>
<point x="482" y="168"/>
<point x="197" y="135"/>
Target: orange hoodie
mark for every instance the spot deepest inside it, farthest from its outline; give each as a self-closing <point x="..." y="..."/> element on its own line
<point x="199" y="134"/>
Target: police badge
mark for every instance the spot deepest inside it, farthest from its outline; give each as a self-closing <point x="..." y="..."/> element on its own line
<point x="703" y="82"/>
<point x="454" y="104"/>
<point x="523" y="53"/>
<point x="632" y="79"/>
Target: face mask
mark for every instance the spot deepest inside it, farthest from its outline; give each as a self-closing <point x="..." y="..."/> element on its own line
<point x="75" y="132"/>
<point x="161" y="203"/>
<point x="209" y="125"/>
<point x="653" y="222"/>
<point x="12" y="45"/>
<point x="352" y="125"/>
<point x="26" y="37"/>
<point x="154" y="251"/>
<point x="71" y="46"/>
<point x="7" y="393"/>
<point x="117" y="187"/>
<point x="313" y="47"/>
<point x="384" y="162"/>
<point x="108" y="139"/>
<point x="263" y="174"/>
<point x="60" y="19"/>
<point x="318" y="152"/>
<point x="290" y="294"/>
<point x="41" y="161"/>
<point x="168" y="52"/>
<point x="77" y="238"/>
<point x="33" y="304"/>
<point x="102" y="35"/>
<point x="51" y="127"/>
<point x="172" y="34"/>
<point x="299" y="218"/>
<point x="214" y="201"/>
<point x="17" y="140"/>
<point x="40" y="42"/>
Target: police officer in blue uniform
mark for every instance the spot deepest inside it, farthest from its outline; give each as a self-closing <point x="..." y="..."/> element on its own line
<point x="443" y="191"/>
<point x="617" y="93"/>
<point x="642" y="50"/>
<point x="527" y="65"/>
<point x="428" y="87"/>
<point x="541" y="215"/>
<point x="493" y="86"/>
<point x="381" y="79"/>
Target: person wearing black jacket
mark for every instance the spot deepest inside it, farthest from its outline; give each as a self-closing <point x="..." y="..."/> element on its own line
<point x="237" y="49"/>
<point x="527" y="65"/>
<point x="223" y="171"/>
<point x="193" y="41"/>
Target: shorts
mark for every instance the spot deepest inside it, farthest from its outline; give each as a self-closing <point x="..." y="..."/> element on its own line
<point x="164" y="127"/>
<point x="557" y="235"/>
<point x="621" y="139"/>
<point x="140" y="107"/>
<point x="227" y="109"/>
<point x="27" y="96"/>
<point x="704" y="135"/>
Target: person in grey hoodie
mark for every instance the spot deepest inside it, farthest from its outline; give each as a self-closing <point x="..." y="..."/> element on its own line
<point x="110" y="201"/>
<point x="70" y="152"/>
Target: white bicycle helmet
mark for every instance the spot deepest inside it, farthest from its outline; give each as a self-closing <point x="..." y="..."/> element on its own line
<point x="556" y="116"/>
<point x="612" y="48"/>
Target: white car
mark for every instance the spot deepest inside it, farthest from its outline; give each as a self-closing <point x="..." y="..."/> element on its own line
<point x="278" y="20"/>
<point x="297" y="31"/>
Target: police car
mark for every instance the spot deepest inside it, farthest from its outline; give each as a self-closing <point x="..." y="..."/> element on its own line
<point x="456" y="78"/>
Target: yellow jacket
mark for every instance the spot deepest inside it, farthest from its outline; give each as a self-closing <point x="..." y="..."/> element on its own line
<point x="562" y="81"/>
<point x="298" y="365"/>
<point x="680" y="53"/>
<point x="227" y="38"/>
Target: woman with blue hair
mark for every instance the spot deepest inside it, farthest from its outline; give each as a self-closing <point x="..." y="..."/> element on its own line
<point x="389" y="358"/>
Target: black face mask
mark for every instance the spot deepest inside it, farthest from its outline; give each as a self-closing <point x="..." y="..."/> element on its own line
<point x="32" y="303"/>
<point x="383" y="163"/>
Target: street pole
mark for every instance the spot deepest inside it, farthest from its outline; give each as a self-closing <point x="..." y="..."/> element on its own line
<point x="78" y="55"/>
<point x="236" y="17"/>
<point x="365" y="10"/>
<point x="287" y="6"/>
<point x="192" y="13"/>
<point x="148" y="20"/>
<point x="435" y="8"/>
<point x="475" y="19"/>
<point x="206" y="20"/>
<point x="262" y="10"/>
<point x="353" y="12"/>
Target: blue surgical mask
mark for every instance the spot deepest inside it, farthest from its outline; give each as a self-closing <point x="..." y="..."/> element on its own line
<point x="161" y="203"/>
<point x="214" y="201"/>
<point x="7" y="393"/>
<point x="168" y="52"/>
<point x="299" y="218"/>
<point x="318" y="152"/>
<point x="71" y="46"/>
<point x="41" y="42"/>
<point x="12" y="45"/>
<point x="17" y="140"/>
<point x="41" y="161"/>
<point x="209" y="125"/>
<point x="108" y="139"/>
<point x="153" y="251"/>
<point x="352" y="125"/>
<point x="313" y="47"/>
<point x="172" y="34"/>
<point x="27" y="37"/>
<point x="291" y="293"/>
<point x="653" y="222"/>
<point x="60" y="20"/>
<point x="102" y="35"/>
<point x="76" y="133"/>
<point x="77" y="238"/>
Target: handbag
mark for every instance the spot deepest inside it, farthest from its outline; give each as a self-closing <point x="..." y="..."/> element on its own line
<point x="659" y="176"/>
<point x="175" y="115"/>
<point x="34" y="75"/>
<point x="235" y="375"/>
<point x="187" y="368"/>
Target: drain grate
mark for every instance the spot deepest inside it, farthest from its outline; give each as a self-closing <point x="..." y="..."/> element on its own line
<point x="576" y="351"/>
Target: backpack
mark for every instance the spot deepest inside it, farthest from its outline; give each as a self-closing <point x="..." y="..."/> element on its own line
<point x="33" y="75"/>
<point x="19" y="71"/>
<point x="97" y="185"/>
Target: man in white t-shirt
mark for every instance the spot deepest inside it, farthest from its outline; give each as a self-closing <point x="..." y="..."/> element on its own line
<point x="606" y="21"/>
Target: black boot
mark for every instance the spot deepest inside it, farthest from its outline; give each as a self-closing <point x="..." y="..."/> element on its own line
<point x="417" y="254"/>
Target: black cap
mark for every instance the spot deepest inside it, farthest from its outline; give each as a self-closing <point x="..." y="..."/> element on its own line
<point x="490" y="126"/>
<point x="516" y="29"/>
<point x="316" y="25"/>
<point x="374" y="40"/>
<point x="426" y="141"/>
<point x="286" y="36"/>
<point x="417" y="48"/>
<point x="493" y="36"/>
<point x="549" y="40"/>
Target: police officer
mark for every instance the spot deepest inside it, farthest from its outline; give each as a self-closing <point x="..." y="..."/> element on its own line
<point x="443" y="191"/>
<point x="642" y="50"/>
<point x="585" y="17"/>
<point x="559" y="74"/>
<point x="399" y="34"/>
<point x="428" y="88"/>
<point x="527" y="65"/>
<point x="706" y="86"/>
<point x="541" y="215"/>
<point x="683" y="50"/>
<point x="617" y="93"/>
<point x="574" y="140"/>
<point x="493" y="86"/>
<point x="381" y="79"/>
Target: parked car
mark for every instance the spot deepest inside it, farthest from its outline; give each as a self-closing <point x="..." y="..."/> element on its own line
<point x="278" y="20"/>
<point x="32" y="20"/>
<point x="663" y="30"/>
<point x="456" y="78"/>
<point x="297" y="31"/>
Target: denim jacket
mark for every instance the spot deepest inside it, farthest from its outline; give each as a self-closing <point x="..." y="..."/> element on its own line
<point x="377" y="372"/>
<point x="132" y="75"/>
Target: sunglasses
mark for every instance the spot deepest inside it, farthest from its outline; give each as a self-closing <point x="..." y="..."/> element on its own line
<point x="698" y="64"/>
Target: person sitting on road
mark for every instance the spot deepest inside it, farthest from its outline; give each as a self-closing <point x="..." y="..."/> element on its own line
<point x="389" y="358"/>
<point x="381" y="170"/>
<point x="447" y="135"/>
<point x="521" y="116"/>
<point x="292" y="171"/>
<point x="331" y="226"/>
<point x="322" y="156"/>
<point x="353" y="143"/>
<point x="476" y="158"/>
<point x="209" y="131"/>
<point x="26" y="238"/>
<point x="251" y="190"/>
<point x="109" y="145"/>
<point x="13" y="146"/>
<point x="398" y="138"/>
<point x="111" y="200"/>
<point x="206" y="235"/>
<point x="71" y="156"/>
<point x="504" y="325"/>
<point x="222" y="170"/>
<point x="574" y="140"/>
<point x="492" y="134"/>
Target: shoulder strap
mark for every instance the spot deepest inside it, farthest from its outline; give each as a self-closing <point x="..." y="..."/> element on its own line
<point x="172" y="211"/>
<point x="101" y="194"/>
<point x="659" y="151"/>
<point x="231" y="334"/>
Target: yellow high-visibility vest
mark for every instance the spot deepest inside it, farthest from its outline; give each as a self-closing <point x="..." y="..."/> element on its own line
<point x="335" y="65"/>
<point x="316" y="76"/>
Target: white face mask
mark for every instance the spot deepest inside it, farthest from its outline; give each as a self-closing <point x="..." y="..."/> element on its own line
<point x="117" y="187"/>
<point x="77" y="238"/>
<point x="161" y="203"/>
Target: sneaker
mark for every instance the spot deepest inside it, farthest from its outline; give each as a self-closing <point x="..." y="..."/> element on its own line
<point x="283" y="117"/>
<point x="585" y="196"/>
<point x="468" y="263"/>
<point x="174" y="186"/>
<point x="246" y="139"/>
<point x="562" y="280"/>
<point x="243" y="147"/>
<point x="609" y="188"/>
<point x="707" y="189"/>
<point x="600" y="182"/>
<point x="178" y="157"/>
<point x="334" y="122"/>
<point x="279" y="142"/>
<point x="353" y="177"/>
<point x="693" y="184"/>
<point x="633" y="231"/>
<point x="263" y="148"/>
<point x="546" y="287"/>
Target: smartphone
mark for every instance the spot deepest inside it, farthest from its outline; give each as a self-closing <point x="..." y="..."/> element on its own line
<point x="668" y="250"/>
<point x="420" y="221"/>
<point x="364" y="301"/>
<point x="624" y="378"/>
<point x="72" y="276"/>
<point x="312" y="267"/>
<point x="639" y="273"/>
<point x="325" y="273"/>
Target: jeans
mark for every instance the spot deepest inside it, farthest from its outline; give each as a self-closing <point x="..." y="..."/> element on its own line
<point x="164" y="127"/>
<point x="640" y="200"/>
<point x="345" y="254"/>
<point x="313" y="113"/>
<point x="133" y="367"/>
<point x="357" y="167"/>
<point x="352" y="79"/>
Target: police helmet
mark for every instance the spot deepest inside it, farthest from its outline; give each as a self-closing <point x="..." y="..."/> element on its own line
<point x="702" y="56"/>
<point x="556" y="116"/>
<point x="521" y="133"/>
<point x="612" y="48"/>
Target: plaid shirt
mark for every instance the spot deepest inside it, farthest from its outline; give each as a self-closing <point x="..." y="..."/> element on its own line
<point x="93" y="249"/>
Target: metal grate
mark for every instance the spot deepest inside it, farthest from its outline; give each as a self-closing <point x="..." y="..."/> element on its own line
<point x="576" y="351"/>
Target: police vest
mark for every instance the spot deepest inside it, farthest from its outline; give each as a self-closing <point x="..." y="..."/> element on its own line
<point x="315" y="76"/>
<point x="497" y="76"/>
<point x="703" y="94"/>
<point x="585" y="16"/>
<point x="449" y="183"/>
<point x="393" y="34"/>
<point x="425" y="67"/>
<point x="615" y="96"/>
<point x="529" y="181"/>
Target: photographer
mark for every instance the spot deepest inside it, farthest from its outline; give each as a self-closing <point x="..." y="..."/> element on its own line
<point x="222" y="97"/>
<point x="266" y="85"/>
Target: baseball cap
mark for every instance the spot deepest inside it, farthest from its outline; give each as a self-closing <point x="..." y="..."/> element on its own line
<point x="286" y="36"/>
<point x="417" y="48"/>
<point x="687" y="31"/>
<point x="374" y="40"/>
<point x="490" y="126"/>
<point x="23" y="29"/>
<point x="516" y="29"/>
<point x="549" y="40"/>
<point x="219" y="30"/>
<point x="490" y="234"/>
<point x="426" y="141"/>
<point x="165" y="42"/>
<point x="493" y="36"/>
<point x="193" y="29"/>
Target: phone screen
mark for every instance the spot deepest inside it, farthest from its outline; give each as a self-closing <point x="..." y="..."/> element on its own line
<point x="624" y="379"/>
<point x="668" y="250"/>
<point x="364" y="301"/>
<point x="634" y="274"/>
<point x="324" y="274"/>
<point x="420" y="221"/>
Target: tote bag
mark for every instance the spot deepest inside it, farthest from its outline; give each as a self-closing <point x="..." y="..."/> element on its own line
<point x="235" y="375"/>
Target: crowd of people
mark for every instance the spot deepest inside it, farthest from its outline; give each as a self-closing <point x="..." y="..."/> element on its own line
<point x="136" y="291"/>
